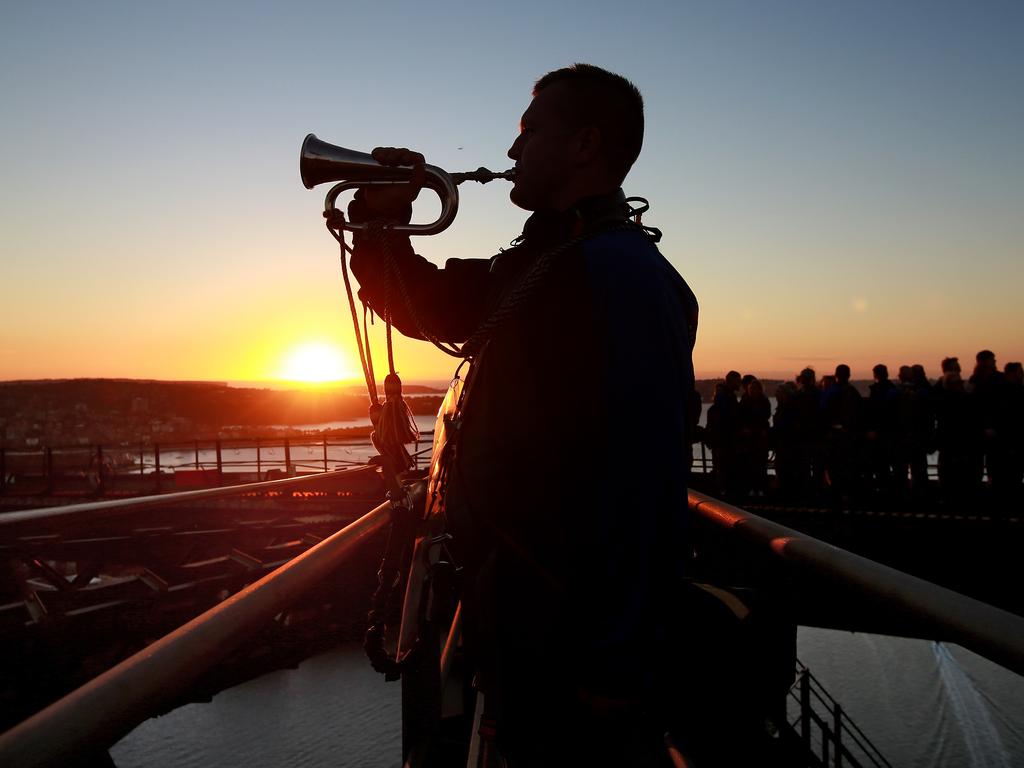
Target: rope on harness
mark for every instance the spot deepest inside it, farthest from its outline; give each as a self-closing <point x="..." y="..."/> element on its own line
<point x="396" y="425"/>
<point x="393" y="427"/>
<point x="336" y="226"/>
<point x="393" y="422"/>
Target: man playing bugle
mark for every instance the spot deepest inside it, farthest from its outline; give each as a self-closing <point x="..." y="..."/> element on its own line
<point x="567" y="495"/>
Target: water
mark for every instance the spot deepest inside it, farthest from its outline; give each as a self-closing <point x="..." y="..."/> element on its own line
<point x="923" y="704"/>
<point x="334" y="710"/>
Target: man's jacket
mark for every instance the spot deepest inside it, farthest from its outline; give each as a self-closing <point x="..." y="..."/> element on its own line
<point x="567" y="499"/>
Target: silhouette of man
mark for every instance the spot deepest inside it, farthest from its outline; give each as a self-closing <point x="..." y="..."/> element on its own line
<point x="882" y="426"/>
<point x="723" y="428"/>
<point x="808" y="429"/>
<point x="753" y="414"/>
<point x="567" y="494"/>
<point x="841" y="405"/>
<point x="957" y="432"/>
<point x="986" y="391"/>
<point x="1011" y="440"/>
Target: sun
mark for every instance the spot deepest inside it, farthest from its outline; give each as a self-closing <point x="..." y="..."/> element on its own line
<point x="316" y="362"/>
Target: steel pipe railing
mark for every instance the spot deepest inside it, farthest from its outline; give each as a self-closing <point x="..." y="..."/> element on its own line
<point x="96" y="510"/>
<point x="934" y="611"/>
<point x="95" y="716"/>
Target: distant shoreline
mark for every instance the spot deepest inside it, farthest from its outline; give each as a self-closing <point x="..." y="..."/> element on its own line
<point x="75" y="412"/>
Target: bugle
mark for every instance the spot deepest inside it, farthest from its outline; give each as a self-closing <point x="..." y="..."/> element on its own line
<point x="320" y="162"/>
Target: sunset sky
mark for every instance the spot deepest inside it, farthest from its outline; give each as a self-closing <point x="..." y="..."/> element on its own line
<point x="839" y="182"/>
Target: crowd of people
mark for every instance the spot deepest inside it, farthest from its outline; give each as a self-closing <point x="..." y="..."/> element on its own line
<point x="831" y="443"/>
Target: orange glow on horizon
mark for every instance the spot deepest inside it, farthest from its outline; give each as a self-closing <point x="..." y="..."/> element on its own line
<point x="317" y="363"/>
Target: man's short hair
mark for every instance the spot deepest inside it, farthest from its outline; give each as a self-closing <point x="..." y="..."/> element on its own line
<point x="881" y="370"/>
<point x="985" y="354"/>
<point x="608" y="101"/>
<point x="950" y="364"/>
<point x="843" y="372"/>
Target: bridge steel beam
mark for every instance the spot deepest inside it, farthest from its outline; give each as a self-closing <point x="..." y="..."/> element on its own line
<point x="831" y="587"/>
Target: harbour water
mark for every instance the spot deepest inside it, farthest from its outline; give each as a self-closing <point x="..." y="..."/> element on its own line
<point x="923" y="704"/>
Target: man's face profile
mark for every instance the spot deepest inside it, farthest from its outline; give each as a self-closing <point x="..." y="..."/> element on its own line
<point x="542" y="152"/>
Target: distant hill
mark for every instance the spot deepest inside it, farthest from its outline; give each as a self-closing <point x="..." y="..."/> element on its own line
<point x="68" y="411"/>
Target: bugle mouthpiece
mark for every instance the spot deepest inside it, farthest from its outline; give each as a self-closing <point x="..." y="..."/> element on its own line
<point x="484" y="175"/>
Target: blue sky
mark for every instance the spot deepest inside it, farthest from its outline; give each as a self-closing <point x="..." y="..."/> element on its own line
<point x="837" y="181"/>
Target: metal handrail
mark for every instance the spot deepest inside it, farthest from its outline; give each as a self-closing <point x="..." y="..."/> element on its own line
<point x="154" y="462"/>
<point x="97" y="715"/>
<point x="102" y="509"/>
<point x="933" y="611"/>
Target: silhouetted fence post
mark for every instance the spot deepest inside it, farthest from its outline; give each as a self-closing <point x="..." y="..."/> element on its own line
<point x="325" y="453"/>
<point x="220" y="465"/>
<point x="259" y="463"/>
<point x="3" y="470"/>
<point x="48" y="469"/>
<point x="197" y="454"/>
<point x="287" y="457"/>
<point x="156" y="464"/>
<point x="101" y="480"/>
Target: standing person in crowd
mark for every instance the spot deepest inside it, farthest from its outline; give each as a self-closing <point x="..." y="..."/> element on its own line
<point x="784" y="441"/>
<point x="985" y="386"/>
<point x="957" y="436"/>
<point x="722" y="433"/>
<point x="882" y="419"/>
<point x="1009" y="442"/>
<point x="755" y="413"/>
<point x="915" y="431"/>
<point x="922" y="440"/>
<point x="841" y="409"/>
<point x="807" y="410"/>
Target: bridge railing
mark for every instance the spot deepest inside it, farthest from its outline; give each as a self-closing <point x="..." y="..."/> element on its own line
<point x="99" y="470"/>
<point x="95" y="716"/>
<point x="830" y="587"/>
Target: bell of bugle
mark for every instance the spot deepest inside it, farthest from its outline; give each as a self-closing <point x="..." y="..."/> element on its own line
<point x="320" y="162"/>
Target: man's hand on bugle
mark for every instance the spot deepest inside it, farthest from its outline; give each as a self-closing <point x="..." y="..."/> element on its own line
<point x="392" y="202"/>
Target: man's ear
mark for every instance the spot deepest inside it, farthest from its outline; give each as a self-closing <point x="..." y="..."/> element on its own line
<point x="587" y="144"/>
